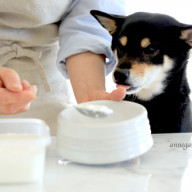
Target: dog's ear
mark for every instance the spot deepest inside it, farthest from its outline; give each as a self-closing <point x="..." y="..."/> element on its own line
<point x="109" y="22"/>
<point x="186" y="35"/>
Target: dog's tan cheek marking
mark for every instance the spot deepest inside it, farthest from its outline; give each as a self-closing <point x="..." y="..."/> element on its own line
<point x="139" y="69"/>
<point x="167" y="64"/>
<point x="145" y="42"/>
<point x="153" y="83"/>
<point x="123" y="40"/>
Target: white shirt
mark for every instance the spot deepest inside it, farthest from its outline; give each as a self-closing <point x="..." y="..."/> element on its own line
<point x="80" y="32"/>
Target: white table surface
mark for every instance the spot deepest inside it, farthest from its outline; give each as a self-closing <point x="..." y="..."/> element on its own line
<point x="167" y="167"/>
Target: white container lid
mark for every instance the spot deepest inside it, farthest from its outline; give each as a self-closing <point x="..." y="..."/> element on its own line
<point x="123" y="135"/>
<point x="22" y="150"/>
<point x="22" y="127"/>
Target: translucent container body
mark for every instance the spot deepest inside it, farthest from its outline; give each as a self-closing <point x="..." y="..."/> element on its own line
<point x="22" y="150"/>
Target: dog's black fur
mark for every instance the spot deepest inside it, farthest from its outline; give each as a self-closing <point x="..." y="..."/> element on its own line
<point x="152" y="51"/>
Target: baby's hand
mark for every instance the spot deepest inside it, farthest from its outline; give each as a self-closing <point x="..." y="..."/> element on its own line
<point x="116" y="95"/>
<point x="15" y="96"/>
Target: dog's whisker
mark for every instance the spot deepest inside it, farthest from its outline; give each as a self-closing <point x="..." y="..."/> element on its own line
<point x="133" y="97"/>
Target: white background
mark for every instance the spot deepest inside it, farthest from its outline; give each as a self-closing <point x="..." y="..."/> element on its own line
<point x="181" y="10"/>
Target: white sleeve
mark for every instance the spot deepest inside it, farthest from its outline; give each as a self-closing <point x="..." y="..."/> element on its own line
<point x="80" y="32"/>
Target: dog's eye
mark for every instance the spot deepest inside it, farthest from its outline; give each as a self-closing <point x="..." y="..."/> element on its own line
<point x="150" y="50"/>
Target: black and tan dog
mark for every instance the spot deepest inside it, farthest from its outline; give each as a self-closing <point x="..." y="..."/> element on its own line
<point x="152" y="52"/>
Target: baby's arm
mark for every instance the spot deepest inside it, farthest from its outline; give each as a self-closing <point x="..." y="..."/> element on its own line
<point x="87" y="75"/>
<point x="84" y="47"/>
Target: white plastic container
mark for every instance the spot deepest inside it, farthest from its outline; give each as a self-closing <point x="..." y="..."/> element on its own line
<point x="22" y="150"/>
<point x="123" y="135"/>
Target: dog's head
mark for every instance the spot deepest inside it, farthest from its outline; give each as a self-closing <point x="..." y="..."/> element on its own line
<point x="148" y="48"/>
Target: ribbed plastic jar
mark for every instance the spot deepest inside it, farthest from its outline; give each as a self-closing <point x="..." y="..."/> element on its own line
<point x="122" y="136"/>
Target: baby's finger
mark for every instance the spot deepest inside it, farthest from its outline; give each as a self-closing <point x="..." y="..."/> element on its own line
<point x="25" y="84"/>
<point x="10" y="79"/>
<point x="24" y="109"/>
<point x="32" y="88"/>
<point x="7" y="97"/>
<point x="20" y="109"/>
<point x="118" y="94"/>
<point x="28" y="87"/>
<point x="13" y="109"/>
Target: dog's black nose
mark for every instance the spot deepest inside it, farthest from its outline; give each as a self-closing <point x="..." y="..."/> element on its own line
<point x="121" y="75"/>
